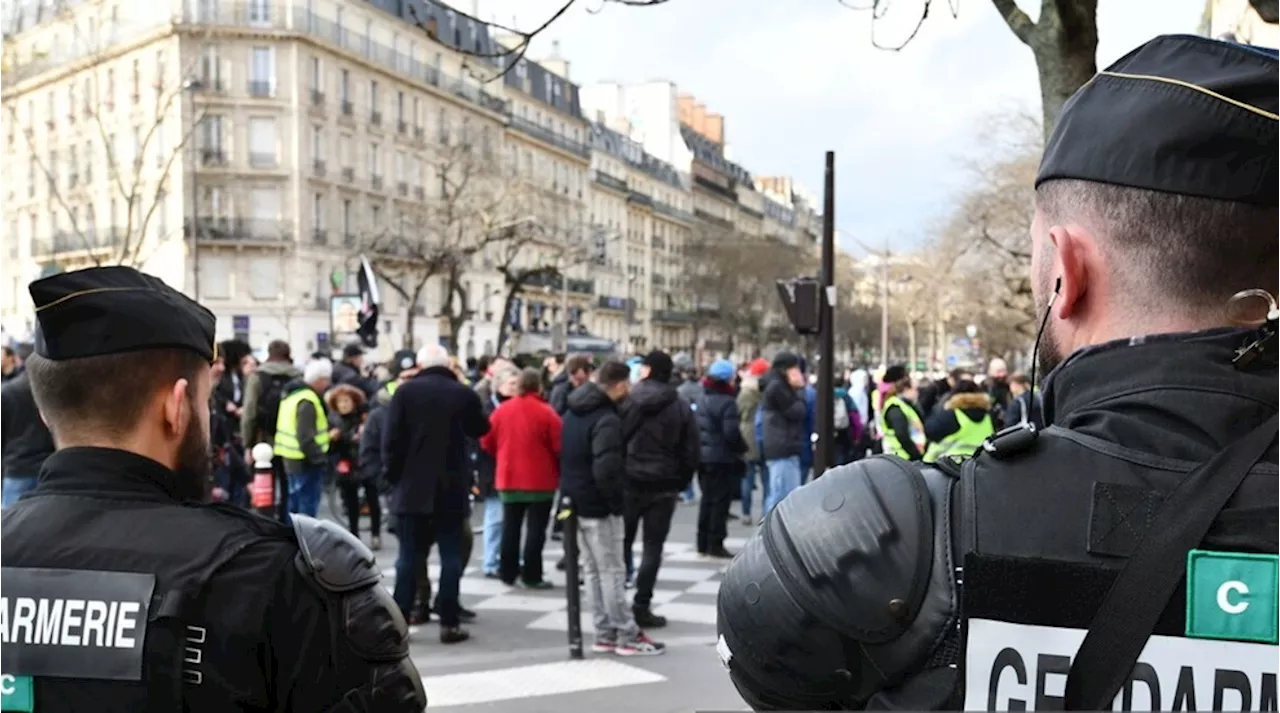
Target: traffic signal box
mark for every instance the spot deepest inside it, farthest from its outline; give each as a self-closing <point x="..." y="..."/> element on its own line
<point x="1232" y="596"/>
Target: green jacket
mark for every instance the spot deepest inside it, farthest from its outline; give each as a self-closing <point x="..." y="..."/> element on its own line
<point x="252" y="390"/>
<point x="748" y="402"/>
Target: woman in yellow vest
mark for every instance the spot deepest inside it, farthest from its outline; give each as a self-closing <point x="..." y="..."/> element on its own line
<point x="901" y="428"/>
<point x="963" y="424"/>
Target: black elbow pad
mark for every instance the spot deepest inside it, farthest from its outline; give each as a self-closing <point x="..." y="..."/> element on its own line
<point x="843" y="592"/>
<point x="372" y="631"/>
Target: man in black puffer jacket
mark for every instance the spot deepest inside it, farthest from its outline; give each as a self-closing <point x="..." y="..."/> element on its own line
<point x="661" y="437"/>
<point x="722" y="448"/>
<point x="25" y="440"/>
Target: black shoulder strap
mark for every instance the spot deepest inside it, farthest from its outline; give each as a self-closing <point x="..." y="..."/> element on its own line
<point x="1144" y="587"/>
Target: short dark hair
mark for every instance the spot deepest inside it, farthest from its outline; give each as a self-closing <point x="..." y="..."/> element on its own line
<point x="966" y="386"/>
<point x="9" y="352"/>
<point x="530" y="381"/>
<point x="1196" y="252"/>
<point x="578" y="362"/>
<point x="106" y="395"/>
<point x="278" y="350"/>
<point x="612" y="373"/>
<point x="1020" y="379"/>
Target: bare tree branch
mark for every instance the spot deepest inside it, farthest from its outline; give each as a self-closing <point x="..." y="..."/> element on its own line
<point x="1017" y="20"/>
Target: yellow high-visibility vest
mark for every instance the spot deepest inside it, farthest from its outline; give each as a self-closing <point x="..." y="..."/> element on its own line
<point x="286" y="444"/>
<point x="891" y="443"/>
<point x="965" y="441"/>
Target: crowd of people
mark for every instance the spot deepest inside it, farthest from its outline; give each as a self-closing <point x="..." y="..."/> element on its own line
<point x="624" y="442"/>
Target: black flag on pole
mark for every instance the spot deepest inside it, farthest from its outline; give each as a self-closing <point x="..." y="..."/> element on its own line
<point x="369" y="301"/>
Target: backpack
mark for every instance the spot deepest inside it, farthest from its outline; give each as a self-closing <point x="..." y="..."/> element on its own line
<point x="269" y="404"/>
<point x="841" y="420"/>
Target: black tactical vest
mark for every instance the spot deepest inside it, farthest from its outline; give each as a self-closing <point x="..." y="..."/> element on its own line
<point x="139" y="552"/>
<point x="1042" y="537"/>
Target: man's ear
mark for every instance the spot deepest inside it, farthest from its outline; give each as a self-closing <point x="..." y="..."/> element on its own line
<point x="176" y="413"/>
<point x="1071" y="258"/>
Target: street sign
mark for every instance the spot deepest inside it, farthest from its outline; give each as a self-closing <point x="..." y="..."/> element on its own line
<point x="240" y="327"/>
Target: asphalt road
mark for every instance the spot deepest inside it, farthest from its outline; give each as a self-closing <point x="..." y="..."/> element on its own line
<point x="518" y="660"/>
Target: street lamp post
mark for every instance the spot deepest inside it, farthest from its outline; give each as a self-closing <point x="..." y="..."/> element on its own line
<point x="192" y="86"/>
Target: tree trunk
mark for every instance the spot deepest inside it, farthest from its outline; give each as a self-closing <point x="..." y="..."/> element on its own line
<point x="1064" y="41"/>
<point x="911" y="346"/>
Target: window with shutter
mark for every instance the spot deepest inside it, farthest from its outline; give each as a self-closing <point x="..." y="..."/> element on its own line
<point x="215" y="277"/>
<point x="264" y="278"/>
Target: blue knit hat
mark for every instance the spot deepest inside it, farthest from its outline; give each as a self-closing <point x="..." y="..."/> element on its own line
<point x="721" y="370"/>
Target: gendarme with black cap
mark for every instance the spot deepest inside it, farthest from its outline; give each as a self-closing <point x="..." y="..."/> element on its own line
<point x="1121" y="559"/>
<point x="111" y="310"/>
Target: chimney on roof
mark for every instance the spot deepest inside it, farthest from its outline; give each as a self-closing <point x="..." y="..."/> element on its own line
<point x="555" y="63"/>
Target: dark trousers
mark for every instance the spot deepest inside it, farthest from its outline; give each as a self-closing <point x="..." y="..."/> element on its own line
<point x="424" y="579"/>
<point x="654" y="511"/>
<point x="350" y="488"/>
<point x="417" y="533"/>
<point x="717" y="481"/>
<point x="282" y="489"/>
<point x="535" y="536"/>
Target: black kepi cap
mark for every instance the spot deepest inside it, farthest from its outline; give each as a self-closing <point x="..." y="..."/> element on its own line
<point x="111" y="310"/>
<point x="1180" y="114"/>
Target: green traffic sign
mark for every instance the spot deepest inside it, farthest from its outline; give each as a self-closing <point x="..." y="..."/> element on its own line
<point x="17" y="694"/>
<point x="1233" y="596"/>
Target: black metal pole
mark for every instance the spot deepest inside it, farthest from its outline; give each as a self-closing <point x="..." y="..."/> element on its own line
<point x="571" y="576"/>
<point x="825" y="456"/>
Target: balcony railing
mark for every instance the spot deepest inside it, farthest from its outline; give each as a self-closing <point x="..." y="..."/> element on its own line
<point x="713" y="219"/>
<point x="402" y="188"/>
<point x="672" y="211"/>
<point x="640" y="198"/>
<point x="261" y="88"/>
<point x="547" y="135"/>
<point x="715" y="188"/>
<point x="611" y="181"/>
<point x="419" y="193"/>
<point x="318" y="167"/>
<point x="347" y="108"/>
<point x="419" y="133"/>
<point x="376" y="182"/>
<point x="249" y="230"/>
<point x="348" y="240"/>
<point x="212" y="85"/>
<point x="751" y="212"/>
<point x="671" y="315"/>
<point x="319" y="236"/>
<point x="611" y="302"/>
<point x="375" y="118"/>
<point x="262" y="160"/>
<point x="213" y="157"/>
<point x="89" y="239"/>
<point x="317" y="98"/>
<point x="402" y="127"/>
<point x="348" y="174"/>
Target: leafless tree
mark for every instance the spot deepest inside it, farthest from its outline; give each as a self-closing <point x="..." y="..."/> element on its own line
<point x="469" y="201"/>
<point x="736" y="274"/>
<point x="140" y="180"/>
<point x="541" y="250"/>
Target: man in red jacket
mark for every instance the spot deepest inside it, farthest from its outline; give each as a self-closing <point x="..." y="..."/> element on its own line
<point x="524" y="439"/>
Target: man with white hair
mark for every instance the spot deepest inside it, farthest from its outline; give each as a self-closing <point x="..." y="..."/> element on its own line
<point x="303" y="434"/>
<point x="997" y="386"/>
<point x="424" y="452"/>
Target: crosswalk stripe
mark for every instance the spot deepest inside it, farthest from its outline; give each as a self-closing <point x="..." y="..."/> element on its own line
<point x="548" y="679"/>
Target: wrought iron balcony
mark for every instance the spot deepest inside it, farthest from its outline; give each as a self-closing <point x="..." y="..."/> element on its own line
<point x="213" y="157"/>
<point x="319" y="236"/>
<point x="671" y="315"/>
<point x="317" y="98"/>
<point x="611" y="181"/>
<point x="347" y="108"/>
<point x="672" y="211"/>
<point x="419" y="193"/>
<point x="402" y="188"/>
<point x="402" y="127"/>
<point x="250" y="230"/>
<point x="263" y="160"/>
<point x="348" y="240"/>
<point x="542" y="133"/>
<point x="348" y="174"/>
<point x="318" y="167"/>
<point x="376" y="182"/>
<point x="639" y="198"/>
<point x="261" y="88"/>
<point x="375" y="118"/>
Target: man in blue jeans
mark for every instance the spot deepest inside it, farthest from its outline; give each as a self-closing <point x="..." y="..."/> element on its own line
<point x="24" y="439"/>
<point x="783" y="410"/>
<point x="302" y="436"/>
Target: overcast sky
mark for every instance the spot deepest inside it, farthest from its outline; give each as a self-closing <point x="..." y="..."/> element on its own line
<point x="795" y="78"/>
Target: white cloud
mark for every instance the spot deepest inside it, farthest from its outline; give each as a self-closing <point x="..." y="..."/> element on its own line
<point x="795" y="79"/>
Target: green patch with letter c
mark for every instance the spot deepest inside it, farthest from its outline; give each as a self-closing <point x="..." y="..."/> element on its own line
<point x="17" y="693"/>
<point x="1233" y="596"/>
